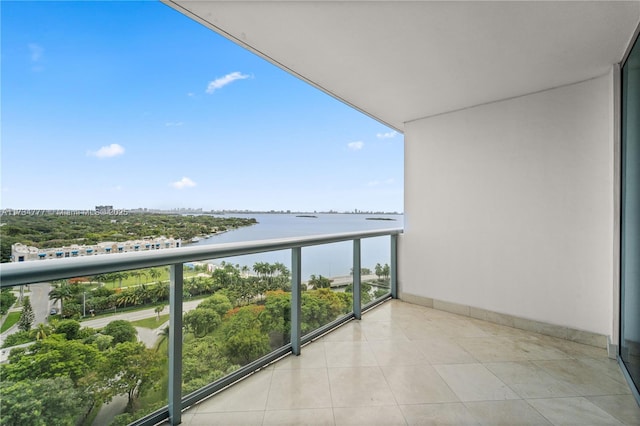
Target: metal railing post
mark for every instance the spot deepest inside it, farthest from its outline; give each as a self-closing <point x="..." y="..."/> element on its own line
<point x="357" y="280"/>
<point x="394" y="266"/>
<point x="175" y="344"/>
<point x="296" y="299"/>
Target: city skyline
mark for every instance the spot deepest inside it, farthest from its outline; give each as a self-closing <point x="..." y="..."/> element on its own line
<point x="143" y="107"/>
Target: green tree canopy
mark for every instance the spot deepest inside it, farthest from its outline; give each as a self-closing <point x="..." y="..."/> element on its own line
<point x="7" y="299"/>
<point x="132" y="370"/>
<point x="69" y="328"/>
<point x="218" y="302"/>
<point x="50" y="358"/>
<point x="121" y="330"/>
<point x="41" y="402"/>
<point x="203" y="362"/>
<point x="244" y="340"/>
<point x="201" y="321"/>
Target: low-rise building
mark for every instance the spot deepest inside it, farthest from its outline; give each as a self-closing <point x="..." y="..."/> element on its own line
<point x="21" y="252"/>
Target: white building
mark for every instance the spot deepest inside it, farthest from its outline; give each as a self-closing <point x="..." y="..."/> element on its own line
<point x="22" y="253"/>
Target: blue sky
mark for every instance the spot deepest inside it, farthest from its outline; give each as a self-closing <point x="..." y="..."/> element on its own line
<point x="132" y="104"/>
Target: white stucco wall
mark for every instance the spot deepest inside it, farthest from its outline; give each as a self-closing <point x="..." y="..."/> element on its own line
<point x="509" y="207"/>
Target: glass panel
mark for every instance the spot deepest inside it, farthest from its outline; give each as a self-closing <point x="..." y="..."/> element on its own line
<point x="326" y="276"/>
<point x="237" y="314"/>
<point x="630" y="221"/>
<point x="95" y="348"/>
<point x="376" y="268"/>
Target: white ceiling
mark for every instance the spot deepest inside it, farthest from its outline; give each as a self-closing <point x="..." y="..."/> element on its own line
<point x="401" y="61"/>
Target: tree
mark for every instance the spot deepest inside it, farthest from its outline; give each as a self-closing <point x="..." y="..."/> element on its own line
<point x="244" y="340"/>
<point x="103" y="341"/>
<point x="386" y="271"/>
<point x="40" y="402"/>
<point x="72" y="309"/>
<point x="154" y="273"/>
<point x="201" y="321"/>
<point x="120" y="275"/>
<point x="121" y="330"/>
<point x="157" y="310"/>
<point x="203" y="362"/>
<point x="132" y="369"/>
<point x="101" y="278"/>
<point x="27" y="316"/>
<point x="164" y="335"/>
<point x="218" y="302"/>
<point x="61" y="292"/>
<point x="69" y="328"/>
<point x="319" y="307"/>
<point x="7" y="299"/>
<point x="378" y="270"/>
<point x="52" y="357"/>
<point x="42" y="331"/>
<point x="319" y="282"/>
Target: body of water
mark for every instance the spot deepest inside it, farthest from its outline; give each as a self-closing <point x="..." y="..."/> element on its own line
<point x="329" y="260"/>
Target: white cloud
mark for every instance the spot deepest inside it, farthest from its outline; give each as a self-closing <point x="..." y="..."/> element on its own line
<point x="355" y="146"/>
<point x="107" y="151"/>
<point x="185" y="182"/>
<point x="36" y="52"/>
<point x="191" y="94"/>
<point x="174" y="124"/>
<point x="220" y="82"/>
<point x="381" y="182"/>
<point x="387" y="135"/>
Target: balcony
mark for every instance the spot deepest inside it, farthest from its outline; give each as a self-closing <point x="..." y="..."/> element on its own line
<point x="398" y="363"/>
<point x="287" y="317"/>
<point x="405" y="364"/>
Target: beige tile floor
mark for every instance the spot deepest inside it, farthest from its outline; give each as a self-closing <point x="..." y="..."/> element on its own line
<point x="408" y="365"/>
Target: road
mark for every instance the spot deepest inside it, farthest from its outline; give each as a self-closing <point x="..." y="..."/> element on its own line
<point x="136" y="315"/>
<point x="39" y="298"/>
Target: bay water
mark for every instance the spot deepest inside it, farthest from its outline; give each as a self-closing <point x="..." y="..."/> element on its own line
<point x="329" y="260"/>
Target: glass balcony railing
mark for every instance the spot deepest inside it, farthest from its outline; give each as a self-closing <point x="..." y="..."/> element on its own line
<point x="211" y="327"/>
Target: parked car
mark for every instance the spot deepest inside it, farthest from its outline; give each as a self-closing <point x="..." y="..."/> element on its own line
<point x="53" y="311"/>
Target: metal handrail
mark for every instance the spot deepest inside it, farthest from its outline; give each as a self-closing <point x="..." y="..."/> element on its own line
<point x="19" y="273"/>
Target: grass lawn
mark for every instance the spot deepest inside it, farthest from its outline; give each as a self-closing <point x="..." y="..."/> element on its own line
<point x="131" y="280"/>
<point x="11" y="319"/>
<point x="151" y="323"/>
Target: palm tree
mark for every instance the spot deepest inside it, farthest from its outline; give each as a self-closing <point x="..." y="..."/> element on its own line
<point x="245" y="271"/>
<point x="157" y="310"/>
<point x="154" y="274"/>
<point x="120" y="276"/>
<point x="101" y="278"/>
<point x="61" y="292"/>
<point x="42" y="331"/>
<point x="160" y="291"/>
<point x="164" y="335"/>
